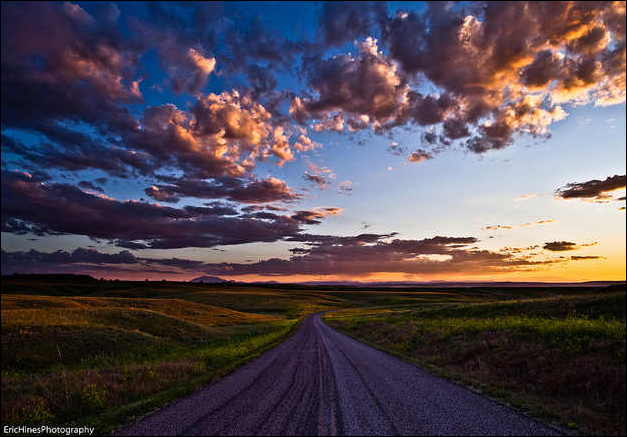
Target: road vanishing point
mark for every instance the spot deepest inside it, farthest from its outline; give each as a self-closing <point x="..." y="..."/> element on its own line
<point x="322" y="382"/>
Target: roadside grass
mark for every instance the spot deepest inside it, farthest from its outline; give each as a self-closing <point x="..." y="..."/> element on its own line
<point x="47" y="331"/>
<point x="107" y="394"/>
<point x="560" y="358"/>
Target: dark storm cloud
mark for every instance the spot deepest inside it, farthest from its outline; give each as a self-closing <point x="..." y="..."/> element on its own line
<point x="58" y="63"/>
<point x="358" y="255"/>
<point x="86" y="260"/>
<point x="321" y="240"/>
<point x="594" y="189"/>
<point x="34" y="261"/>
<point x="213" y="208"/>
<point x="370" y="253"/>
<point x="29" y="205"/>
<point x="235" y="189"/>
<point x="545" y="67"/>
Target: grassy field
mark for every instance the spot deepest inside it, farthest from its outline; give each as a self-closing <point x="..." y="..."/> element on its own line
<point x="557" y="355"/>
<point x="103" y="353"/>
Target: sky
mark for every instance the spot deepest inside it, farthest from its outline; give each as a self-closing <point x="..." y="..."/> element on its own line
<point x="293" y="141"/>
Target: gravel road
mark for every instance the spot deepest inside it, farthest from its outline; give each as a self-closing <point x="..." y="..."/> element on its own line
<point x="321" y="382"/>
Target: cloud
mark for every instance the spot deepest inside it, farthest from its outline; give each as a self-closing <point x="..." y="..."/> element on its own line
<point x="321" y="176"/>
<point x="80" y="255"/>
<point x="91" y="261"/>
<point x="594" y="243"/>
<point x="345" y="187"/>
<point x="496" y="227"/>
<point x="364" y="90"/>
<point x="311" y="216"/>
<point x="30" y="206"/>
<point x="539" y="222"/>
<point x="419" y="156"/>
<point x="321" y="181"/>
<point x="359" y="255"/>
<point x="522" y="225"/>
<point x="185" y="60"/>
<point x="373" y="253"/>
<point x="594" y="189"/>
<point x="494" y="80"/>
<point x="525" y="197"/>
<point x="59" y="63"/>
<point x="241" y="190"/>
<point x="560" y="246"/>
<point x="161" y="195"/>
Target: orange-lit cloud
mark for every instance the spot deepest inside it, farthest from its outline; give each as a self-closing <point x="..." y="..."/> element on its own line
<point x="525" y="197"/>
<point x="522" y="225"/>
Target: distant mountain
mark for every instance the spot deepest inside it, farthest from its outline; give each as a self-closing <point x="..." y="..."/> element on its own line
<point x="209" y="280"/>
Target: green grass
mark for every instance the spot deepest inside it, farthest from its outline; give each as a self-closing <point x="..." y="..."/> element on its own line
<point x="108" y="393"/>
<point x="559" y="357"/>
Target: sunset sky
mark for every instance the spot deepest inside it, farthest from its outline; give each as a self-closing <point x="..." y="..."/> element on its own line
<point x="314" y="141"/>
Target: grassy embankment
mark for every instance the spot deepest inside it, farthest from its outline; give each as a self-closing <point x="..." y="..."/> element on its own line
<point x="559" y="355"/>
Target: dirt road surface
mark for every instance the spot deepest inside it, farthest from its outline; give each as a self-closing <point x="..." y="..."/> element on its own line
<point x="321" y="382"/>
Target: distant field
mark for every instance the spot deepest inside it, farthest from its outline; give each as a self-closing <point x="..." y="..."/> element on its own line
<point x="559" y="355"/>
<point x="106" y="352"/>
